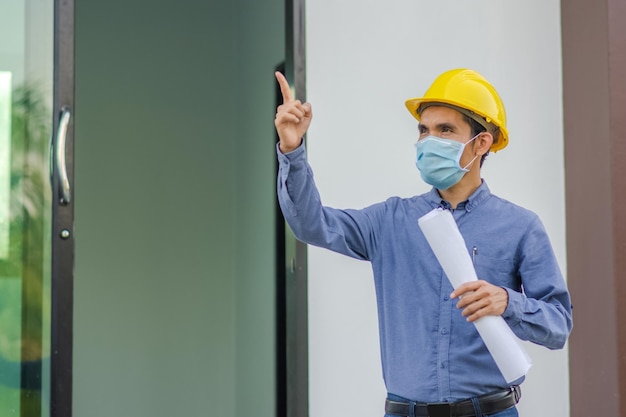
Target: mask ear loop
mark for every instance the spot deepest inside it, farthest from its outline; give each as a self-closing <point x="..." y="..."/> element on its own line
<point x="470" y="163"/>
<point x="458" y="162"/>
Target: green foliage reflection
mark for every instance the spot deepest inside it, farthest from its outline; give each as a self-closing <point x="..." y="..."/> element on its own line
<point x="24" y="282"/>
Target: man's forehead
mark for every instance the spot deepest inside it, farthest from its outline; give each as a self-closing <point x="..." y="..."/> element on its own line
<point x="440" y="114"/>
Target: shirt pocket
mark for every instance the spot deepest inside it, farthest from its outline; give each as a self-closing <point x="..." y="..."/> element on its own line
<point x="500" y="272"/>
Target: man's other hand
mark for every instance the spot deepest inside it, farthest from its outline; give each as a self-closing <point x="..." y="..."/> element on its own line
<point x="480" y="298"/>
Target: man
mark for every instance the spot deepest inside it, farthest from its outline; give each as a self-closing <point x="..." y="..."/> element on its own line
<point x="434" y="361"/>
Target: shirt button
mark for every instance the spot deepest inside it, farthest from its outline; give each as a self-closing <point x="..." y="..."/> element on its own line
<point x="444" y="331"/>
<point x="446" y="298"/>
<point x="443" y="365"/>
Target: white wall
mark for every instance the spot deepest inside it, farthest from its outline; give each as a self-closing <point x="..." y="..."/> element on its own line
<point x="364" y="58"/>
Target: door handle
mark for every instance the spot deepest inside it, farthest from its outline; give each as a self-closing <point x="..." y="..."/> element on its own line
<point x="65" y="192"/>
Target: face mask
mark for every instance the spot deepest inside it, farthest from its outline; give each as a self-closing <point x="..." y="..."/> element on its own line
<point x="438" y="161"/>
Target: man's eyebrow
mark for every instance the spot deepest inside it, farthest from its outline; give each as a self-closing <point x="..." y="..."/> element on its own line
<point x="446" y="125"/>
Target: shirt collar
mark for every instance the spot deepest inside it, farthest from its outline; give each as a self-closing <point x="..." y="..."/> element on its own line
<point x="477" y="197"/>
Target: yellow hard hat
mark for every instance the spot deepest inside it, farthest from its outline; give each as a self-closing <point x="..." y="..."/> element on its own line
<point x="467" y="89"/>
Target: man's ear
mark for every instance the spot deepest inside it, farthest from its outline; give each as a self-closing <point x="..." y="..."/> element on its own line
<point x="483" y="143"/>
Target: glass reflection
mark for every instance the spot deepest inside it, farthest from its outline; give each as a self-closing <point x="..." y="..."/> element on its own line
<point x="25" y="127"/>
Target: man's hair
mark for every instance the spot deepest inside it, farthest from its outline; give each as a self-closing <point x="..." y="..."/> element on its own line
<point x="478" y="128"/>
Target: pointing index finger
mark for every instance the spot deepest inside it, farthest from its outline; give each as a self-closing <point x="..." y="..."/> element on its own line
<point x="284" y="87"/>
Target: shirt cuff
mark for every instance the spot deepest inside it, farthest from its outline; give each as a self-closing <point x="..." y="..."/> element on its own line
<point x="514" y="308"/>
<point x="290" y="156"/>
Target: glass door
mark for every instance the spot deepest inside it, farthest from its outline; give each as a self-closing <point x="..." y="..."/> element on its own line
<point x="32" y="126"/>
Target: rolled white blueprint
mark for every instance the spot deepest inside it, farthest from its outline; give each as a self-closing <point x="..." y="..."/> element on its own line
<point x="444" y="238"/>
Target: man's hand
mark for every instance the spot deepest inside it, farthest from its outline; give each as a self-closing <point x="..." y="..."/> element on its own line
<point x="292" y="118"/>
<point x="480" y="298"/>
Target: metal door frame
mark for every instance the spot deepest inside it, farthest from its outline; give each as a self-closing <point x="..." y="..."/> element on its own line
<point x="292" y="393"/>
<point x="62" y="218"/>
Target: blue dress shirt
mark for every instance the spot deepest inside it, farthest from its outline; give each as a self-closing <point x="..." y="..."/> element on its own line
<point x="429" y="352"/>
